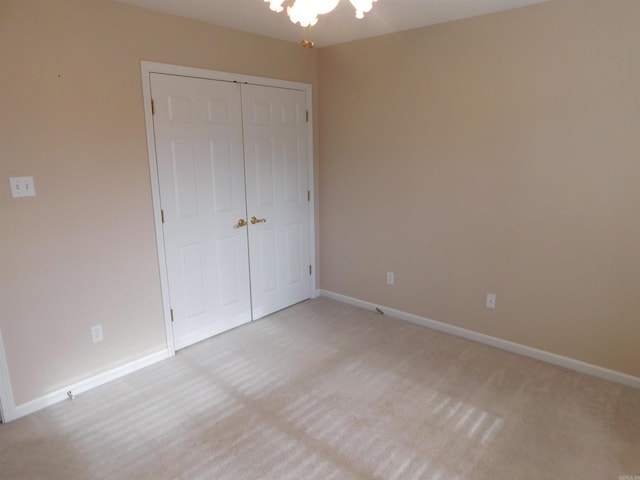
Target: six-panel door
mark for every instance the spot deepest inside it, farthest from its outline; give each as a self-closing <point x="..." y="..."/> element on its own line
<point x="198" y="133"/>
<point x="276" y="163"/>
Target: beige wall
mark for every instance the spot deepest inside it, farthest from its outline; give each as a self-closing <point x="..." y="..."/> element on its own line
<point x="83" y="251"/>
<point x="493" y="154"/>
<point x="496" y="154"/>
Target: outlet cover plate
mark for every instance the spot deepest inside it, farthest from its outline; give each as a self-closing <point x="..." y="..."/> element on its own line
<point x="391" y="278"/>
<point x="96" y="333"/>
<point x="22" y="187"/>
<point x="491" y="300"/>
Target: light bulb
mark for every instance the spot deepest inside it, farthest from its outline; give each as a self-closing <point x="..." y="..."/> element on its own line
<point x="362" y="7"/>
<point x="303" y="12"/>
<point x="275" y="5"/>
<point x="325" y="6"/>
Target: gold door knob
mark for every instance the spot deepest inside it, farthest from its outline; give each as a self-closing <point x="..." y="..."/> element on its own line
<point x="255" y="220"/>
<point x="241" y="223"/>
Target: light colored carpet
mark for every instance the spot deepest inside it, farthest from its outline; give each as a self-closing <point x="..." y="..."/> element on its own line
<point x="324" y="390"/>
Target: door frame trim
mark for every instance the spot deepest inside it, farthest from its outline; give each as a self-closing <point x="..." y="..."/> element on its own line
<point x="147" y="68"/>
<point x="7" y="401"/>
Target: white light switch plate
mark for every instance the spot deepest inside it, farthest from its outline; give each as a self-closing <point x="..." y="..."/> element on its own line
<point x="22" y="187"/>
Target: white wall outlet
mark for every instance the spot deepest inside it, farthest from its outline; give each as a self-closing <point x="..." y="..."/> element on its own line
<point x="391" y="278"/>
<point x="491" y="300"/>
<point x="22" y="187"/>
<point x="96" y="333"/>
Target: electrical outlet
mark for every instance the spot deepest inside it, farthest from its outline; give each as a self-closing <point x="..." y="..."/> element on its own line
<point x="22" y="187"/>
<point x="96" y="333"/>
<point x="391" y="278"/>
<point x="491" y="300"/>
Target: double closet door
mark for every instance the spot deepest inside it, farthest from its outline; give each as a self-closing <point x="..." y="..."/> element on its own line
<point x="232" y="168"/>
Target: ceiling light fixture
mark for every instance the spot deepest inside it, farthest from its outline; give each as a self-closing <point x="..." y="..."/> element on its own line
<point x="305" y="12"/>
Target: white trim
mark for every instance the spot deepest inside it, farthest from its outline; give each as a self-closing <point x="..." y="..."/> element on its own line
<point x="7" y="407"/>
<point x="311" y="187"/>
<point x="147" y="68"/>
<point x="84" y="385"/>
<point x="542" y="355"/>
<point x="155" y="195"/>
<point x="166" y="68"/>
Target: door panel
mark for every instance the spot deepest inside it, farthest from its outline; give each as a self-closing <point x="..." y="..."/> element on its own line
<point x="276" y="168"/>
<point x="268" y="257"/>
<point x="198" y="134"/>
<point x="183" y="163"/>
<point x="222" y="175"/>
<point x="191" y="261"/>
<point x="293" y="240"/>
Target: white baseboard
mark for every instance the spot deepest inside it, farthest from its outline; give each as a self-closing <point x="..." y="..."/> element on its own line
<point x="548" y="357"/>
<point x="84" y="385"/>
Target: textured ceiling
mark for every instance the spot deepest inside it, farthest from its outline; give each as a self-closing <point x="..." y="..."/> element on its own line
<point x="387" y="16"/>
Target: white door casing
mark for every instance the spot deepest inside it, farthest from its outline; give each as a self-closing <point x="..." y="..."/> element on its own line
<point x="293" y="174"/>
<point x="7" y="405"/>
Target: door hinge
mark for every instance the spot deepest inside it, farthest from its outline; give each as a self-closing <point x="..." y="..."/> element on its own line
<point x="162" y="215"/>
<point x="153" y="107"/>
<point x="171" y="310"/>
<point x="308" y="195"/>
<point x="310" y="270"/>
<point x="307" y="116"/>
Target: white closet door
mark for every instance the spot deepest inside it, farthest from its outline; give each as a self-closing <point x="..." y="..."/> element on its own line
<point x="198" y="135"/>
<point x="276" y="169"/>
